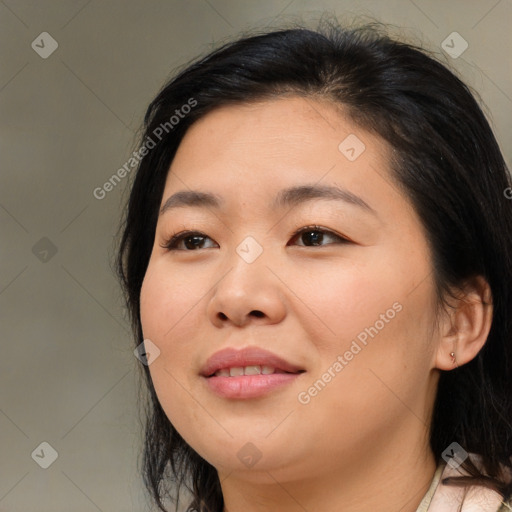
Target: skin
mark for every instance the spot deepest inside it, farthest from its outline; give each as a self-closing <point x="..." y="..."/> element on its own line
<point x="361" y="443"/>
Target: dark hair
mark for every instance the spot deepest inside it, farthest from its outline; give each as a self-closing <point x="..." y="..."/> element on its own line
<point x="444" y="157"/>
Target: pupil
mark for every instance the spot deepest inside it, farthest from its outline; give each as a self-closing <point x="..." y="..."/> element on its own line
<point x="315" y="235"/>
<point x="193" y="244"/>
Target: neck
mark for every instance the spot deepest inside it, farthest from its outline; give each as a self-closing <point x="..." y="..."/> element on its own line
<point x="388" y="476"/>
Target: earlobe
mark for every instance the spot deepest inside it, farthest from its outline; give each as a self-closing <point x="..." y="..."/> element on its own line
<point x="466" y="327"/>
<point x="454" y="359"/>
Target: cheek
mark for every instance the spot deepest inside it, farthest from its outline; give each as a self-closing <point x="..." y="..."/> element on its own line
<point x="167" y="302"/>
<point x="342" y="299"/>
<point x="168" y="320"/>
<point x="375" y="313"/>
<point x="166" y="310"/>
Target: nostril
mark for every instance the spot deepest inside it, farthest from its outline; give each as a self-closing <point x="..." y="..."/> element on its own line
<point x="259" y="314"/>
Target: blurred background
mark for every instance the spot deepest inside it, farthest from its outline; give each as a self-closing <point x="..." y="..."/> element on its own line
<point x="75" y="80"/>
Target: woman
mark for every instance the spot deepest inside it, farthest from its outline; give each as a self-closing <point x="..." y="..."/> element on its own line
<point x="317" y="259"/>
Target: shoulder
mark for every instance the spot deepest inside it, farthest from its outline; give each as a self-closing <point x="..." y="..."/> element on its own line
<point x="448" y="498"/>
<point x="506" y="506"/>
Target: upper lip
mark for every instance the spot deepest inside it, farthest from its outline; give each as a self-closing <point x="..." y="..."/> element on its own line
<point x="249" y="356"/>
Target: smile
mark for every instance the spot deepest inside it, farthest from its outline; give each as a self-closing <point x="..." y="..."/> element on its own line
<point x="238" y="371"/>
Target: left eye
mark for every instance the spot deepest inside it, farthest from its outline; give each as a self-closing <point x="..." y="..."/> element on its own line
<point x="316" y="235"/>
<point x="195" y="240"/>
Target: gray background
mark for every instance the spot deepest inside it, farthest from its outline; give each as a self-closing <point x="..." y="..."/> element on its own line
<point x="68" y="376"/>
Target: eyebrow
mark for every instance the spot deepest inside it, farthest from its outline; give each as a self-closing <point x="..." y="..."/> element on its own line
<point x="288" y="197"/>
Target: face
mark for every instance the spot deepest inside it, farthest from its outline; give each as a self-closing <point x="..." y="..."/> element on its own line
<point x="345" y="306"/>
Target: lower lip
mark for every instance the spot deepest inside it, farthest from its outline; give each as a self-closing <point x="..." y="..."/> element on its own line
<point x="249" y="386"/>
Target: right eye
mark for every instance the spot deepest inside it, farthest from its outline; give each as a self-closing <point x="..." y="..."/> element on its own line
<point x="192" y="239"/>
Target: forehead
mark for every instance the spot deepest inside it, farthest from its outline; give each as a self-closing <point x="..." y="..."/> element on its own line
<point x="274" y="123"/>
<point x="278" y="141"/>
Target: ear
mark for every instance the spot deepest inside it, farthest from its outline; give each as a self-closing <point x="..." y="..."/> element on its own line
<point x="465" y="327"/>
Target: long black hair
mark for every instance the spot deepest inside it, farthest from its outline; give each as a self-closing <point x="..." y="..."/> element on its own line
<point x="445" y="158"/>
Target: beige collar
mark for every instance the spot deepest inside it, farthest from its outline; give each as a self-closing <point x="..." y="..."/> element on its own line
<point x="448" y="498"/>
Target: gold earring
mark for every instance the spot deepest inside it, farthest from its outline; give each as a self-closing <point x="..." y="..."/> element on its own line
<point x="452" y="355"/>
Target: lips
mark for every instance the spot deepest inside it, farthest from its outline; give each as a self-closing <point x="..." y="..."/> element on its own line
<point x="248" y="361"/>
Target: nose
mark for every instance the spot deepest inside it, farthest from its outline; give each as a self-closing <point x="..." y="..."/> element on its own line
<point x="248" y="292"/>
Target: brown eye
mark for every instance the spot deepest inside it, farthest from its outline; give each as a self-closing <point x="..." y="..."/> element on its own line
<point x="315" y="235"/>
<point x="192" y="240"/>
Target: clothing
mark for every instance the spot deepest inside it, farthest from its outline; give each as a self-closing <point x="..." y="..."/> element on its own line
<point x="448" y="498"/>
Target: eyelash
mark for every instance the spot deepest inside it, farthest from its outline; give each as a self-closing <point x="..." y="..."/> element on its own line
<point x="171" y="243"/>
